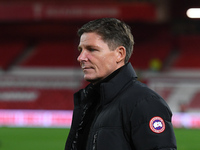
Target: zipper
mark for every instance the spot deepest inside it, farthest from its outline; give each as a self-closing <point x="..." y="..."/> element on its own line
<point x="94" y="146"/>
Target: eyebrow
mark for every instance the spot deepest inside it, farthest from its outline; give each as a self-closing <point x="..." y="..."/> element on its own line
<point x="88" y="47"/>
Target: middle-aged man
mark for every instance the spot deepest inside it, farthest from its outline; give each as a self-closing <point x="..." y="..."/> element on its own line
<point x="115" y="111"/>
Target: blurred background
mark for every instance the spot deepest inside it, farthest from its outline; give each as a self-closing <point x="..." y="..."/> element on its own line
<point x="38" y="50"/>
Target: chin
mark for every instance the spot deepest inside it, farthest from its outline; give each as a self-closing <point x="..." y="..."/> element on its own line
<point x="89" y="79"/>
<point x="92" y="80"/>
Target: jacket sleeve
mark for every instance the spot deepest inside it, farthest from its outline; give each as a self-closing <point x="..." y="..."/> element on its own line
<point x="150" y="125"/>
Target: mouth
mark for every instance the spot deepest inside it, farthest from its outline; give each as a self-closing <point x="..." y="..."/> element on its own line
<point x="87" y="68"/>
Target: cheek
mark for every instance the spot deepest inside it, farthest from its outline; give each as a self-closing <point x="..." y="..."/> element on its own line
<point x="108" y="65"/>
<point x="108" y="58"/>
<point x="105" y="63"/>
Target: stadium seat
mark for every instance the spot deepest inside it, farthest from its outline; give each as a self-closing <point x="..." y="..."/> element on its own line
<point x="195" y="103"/>
<point x="47" y="99"/>
<point x="144" y="53"/>
<point x="10" y="51"/>
<point x="189" y="52"/>
<point x="52" y="54"/>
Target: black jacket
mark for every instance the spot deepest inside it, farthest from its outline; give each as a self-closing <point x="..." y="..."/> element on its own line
<point x="130" y="116"/>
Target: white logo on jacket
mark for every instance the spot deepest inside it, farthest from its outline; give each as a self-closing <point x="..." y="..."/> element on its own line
<point x="157" y="124"/>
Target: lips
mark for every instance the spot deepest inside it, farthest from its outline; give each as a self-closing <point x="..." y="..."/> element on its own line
<point x="84" y="67"/>
<point x="87" y="68"/>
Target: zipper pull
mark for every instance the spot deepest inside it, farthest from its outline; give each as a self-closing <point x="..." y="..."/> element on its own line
<point x="94" y="142"/>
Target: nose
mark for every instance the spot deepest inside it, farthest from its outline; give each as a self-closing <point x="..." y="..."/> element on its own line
<point x="82" y="56"/>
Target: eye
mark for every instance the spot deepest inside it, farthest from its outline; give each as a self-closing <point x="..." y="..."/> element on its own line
<point x="92" y="49"/>
<point x="79" y="49"/>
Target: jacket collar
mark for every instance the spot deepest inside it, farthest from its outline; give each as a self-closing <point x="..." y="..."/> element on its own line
<point x="109" y="90"/>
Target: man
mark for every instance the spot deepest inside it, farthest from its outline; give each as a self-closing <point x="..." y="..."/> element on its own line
<point x="115" y="111"/>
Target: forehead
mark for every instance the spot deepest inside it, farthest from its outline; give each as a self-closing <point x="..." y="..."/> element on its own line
<point x="92" y="39"/>
<point x="91" y="36"/>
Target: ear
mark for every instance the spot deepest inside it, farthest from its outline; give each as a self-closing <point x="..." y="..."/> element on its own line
<point x="121" y="54"/>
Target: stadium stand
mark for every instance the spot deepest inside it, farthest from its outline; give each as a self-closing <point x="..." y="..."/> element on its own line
<point x="52" y="54"/>
<point x="9" y="52"/>
<point x="189" y="52"/>
<point x="39" y="89"/>
<point x="194" y="103"/>
<point x="45" y="78"/>
<point x="35" y="98"/>
<point x="144" y="53"/>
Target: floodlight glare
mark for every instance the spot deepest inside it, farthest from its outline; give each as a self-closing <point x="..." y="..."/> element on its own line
<point x="193" y="13"/>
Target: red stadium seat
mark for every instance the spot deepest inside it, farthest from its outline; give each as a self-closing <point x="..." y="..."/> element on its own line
<point x="48" y="99"/>
<point x="9" y="51"/>
<point x="144" y="53"/>
<point x="195" y="103"/>
<point x="189" y="49"/>
<point x="52" y="54"/>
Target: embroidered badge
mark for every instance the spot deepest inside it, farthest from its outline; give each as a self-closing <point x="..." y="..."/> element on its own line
<point x="157" y="125"/>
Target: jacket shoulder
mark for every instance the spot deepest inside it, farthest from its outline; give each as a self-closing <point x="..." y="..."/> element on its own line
<point x="137" y="91"/>
<point x="141" y="100"/>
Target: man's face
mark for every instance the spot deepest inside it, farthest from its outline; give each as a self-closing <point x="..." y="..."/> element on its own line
<point x="96" y="59"/>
